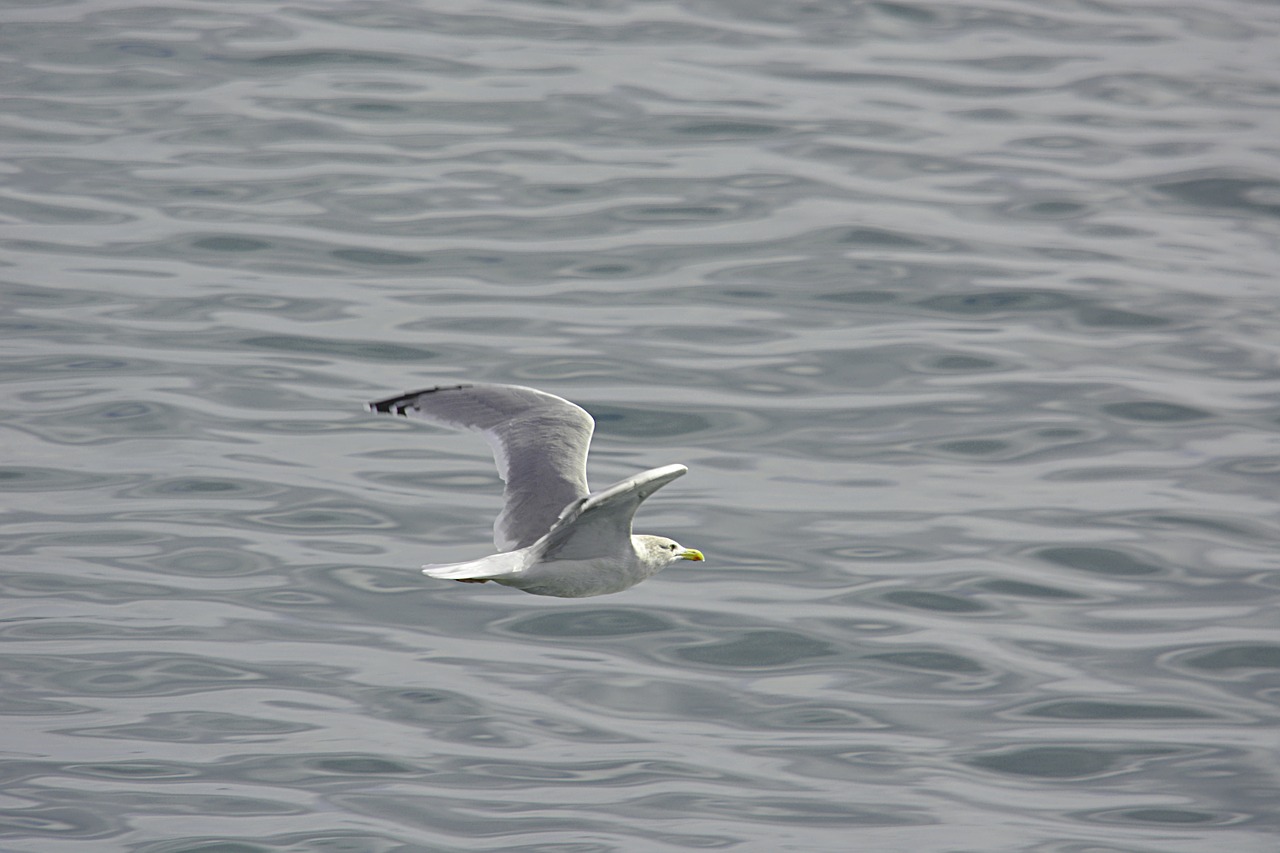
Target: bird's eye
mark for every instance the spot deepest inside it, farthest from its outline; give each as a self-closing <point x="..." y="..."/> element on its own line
<point x="672" y="547"/>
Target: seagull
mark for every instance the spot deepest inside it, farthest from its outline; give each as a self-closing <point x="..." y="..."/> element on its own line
<point x="555" y="536"/>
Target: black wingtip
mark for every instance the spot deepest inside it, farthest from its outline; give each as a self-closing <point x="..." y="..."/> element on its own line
<point x="401" y="403"/>
<point x="392" y="405"/>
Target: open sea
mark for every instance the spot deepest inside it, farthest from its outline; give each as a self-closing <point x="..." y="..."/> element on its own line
<point x="965" y="317"/>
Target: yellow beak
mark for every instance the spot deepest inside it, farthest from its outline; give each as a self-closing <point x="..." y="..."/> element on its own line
<point x="691" y="554"/>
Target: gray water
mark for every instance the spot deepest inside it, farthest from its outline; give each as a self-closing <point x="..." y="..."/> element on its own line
<point x="962" y="315"/>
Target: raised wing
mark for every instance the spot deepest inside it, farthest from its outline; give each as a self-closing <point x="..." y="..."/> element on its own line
<point x="599" y="524"/>
<point x="539" y="442"/>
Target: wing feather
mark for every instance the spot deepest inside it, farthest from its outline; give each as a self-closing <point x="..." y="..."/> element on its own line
<point x="539" y="441"/>
<point x="600" y="523"/>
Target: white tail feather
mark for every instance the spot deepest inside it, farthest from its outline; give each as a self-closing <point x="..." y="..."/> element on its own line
<point x="494" y="566"/>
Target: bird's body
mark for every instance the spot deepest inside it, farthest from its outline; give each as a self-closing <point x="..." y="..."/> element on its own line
<point x="560" y="538"/>
<point x="526" y="569"/>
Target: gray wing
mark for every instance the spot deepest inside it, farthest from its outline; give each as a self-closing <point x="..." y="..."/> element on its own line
<point x="600" y="524"/>
<point x="539" y="442"/>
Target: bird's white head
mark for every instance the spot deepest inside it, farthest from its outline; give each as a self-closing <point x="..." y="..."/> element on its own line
<point x="665" y="551"/>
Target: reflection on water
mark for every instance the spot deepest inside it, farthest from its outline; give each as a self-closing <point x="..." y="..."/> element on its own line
<point x="962" y="318"/>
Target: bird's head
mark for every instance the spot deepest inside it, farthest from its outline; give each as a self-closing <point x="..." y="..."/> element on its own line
<point x="670" y="549"/>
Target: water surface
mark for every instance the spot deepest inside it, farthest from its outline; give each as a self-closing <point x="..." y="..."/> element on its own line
<point x="963" y="317"/>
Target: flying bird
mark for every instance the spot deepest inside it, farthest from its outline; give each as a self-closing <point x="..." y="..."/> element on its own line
<point x="555" y="536"/>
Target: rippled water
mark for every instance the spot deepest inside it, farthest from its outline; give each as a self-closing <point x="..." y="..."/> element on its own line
<point x="963" y="316"/>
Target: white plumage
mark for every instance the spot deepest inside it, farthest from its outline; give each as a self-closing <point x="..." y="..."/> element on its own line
<point x="557" y="537"/>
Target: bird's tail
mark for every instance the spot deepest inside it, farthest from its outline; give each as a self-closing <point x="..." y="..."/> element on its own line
<point x="494" y="567"/>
